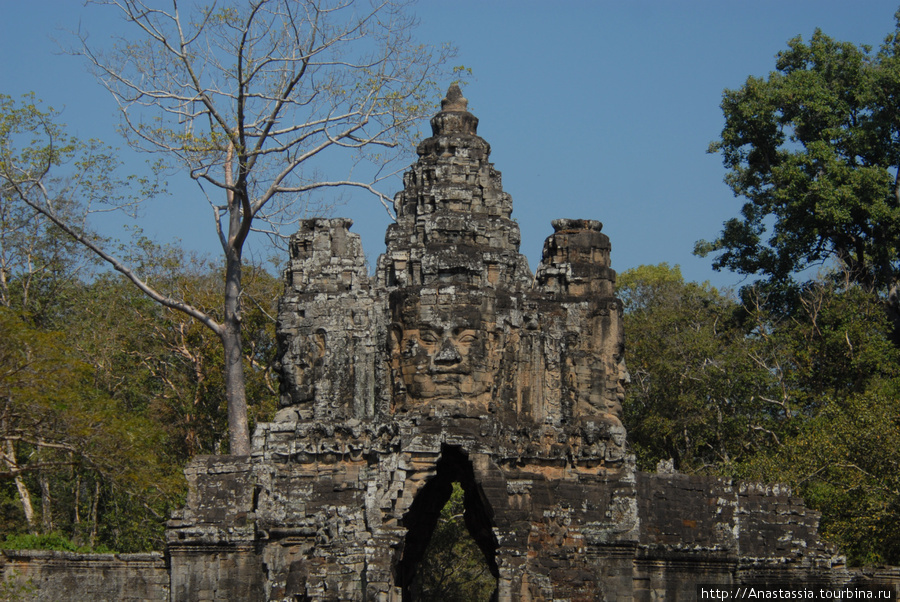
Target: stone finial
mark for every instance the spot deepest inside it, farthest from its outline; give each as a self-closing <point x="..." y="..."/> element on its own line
<point x="575" y="260"/>
<point x="454" y="101"/>
<point x="454" y="117"/>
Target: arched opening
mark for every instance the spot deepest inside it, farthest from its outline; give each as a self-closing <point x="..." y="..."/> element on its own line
<point x="425" y="513"/>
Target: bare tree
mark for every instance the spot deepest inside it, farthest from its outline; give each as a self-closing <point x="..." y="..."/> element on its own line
<point x="254" y="99"/>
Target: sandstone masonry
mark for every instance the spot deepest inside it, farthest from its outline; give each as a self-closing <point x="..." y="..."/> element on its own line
<point x="45" y="576"/>
<point x="454" y="363"/>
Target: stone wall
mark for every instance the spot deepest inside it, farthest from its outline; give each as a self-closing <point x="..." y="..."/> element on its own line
<point x="456" y="364"/>
<point x="347" y="515"/>
<point x="43" y="576"/>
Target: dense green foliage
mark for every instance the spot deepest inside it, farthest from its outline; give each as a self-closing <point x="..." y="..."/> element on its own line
<point x="815" y="148"/>
<point x="48" y="541"/>
<point x="839" y="372"/>
<point x="697" y="389"/>
<point x="104" y="395"/>
<point x="724" y="386"/>
<point x="813" y="367"/>
<point x="100" y="412"/>
<point x="453" y="568"/>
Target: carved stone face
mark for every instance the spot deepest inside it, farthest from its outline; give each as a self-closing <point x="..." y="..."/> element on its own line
<point x="304" y="357"/>
<point x="622" y="379"/>
<point x="596" y="369"/>
<point x="441" y="350"/>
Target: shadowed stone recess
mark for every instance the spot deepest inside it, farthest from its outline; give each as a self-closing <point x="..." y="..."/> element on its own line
<point x="454" y="363"/>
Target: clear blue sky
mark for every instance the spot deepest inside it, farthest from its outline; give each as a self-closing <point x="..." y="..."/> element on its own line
<point x="593" y="109"/>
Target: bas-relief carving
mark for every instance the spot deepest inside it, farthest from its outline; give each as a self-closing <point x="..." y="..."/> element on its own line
<point x="302" y="367"/>
<point x="458" y="326"/>
<point x="453" y="363"/>
<point x="442" y="350"/>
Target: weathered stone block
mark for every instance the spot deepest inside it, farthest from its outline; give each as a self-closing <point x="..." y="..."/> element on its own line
<point x="455" y="364"/>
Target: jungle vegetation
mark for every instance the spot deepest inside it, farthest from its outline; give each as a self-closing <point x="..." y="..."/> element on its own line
<point x="106" y="392"/>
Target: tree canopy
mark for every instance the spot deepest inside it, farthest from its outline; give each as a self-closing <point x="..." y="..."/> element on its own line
<point x="247" y="99"/>
<point x="699" y="383"/>
<point x="95" y="461"/>
<point x="814" y="148"/>
<point x="724" y="386"/>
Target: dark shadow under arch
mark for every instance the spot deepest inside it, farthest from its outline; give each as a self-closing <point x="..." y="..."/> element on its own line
<point x="423" y="514"/>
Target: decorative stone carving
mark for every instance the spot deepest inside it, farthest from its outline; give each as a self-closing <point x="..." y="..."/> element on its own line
<point x="454" y="323"/>
<point x="454" y="363"/>
<point x="444" y="349"/>
<point x="327" y="325"/>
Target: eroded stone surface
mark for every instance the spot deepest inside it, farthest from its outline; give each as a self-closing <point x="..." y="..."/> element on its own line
<point x="455" y="364"/>
<point x="50" y="576"/>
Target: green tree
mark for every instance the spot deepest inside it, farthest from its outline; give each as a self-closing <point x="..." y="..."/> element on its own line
<point x="73" y="470"/>
<point x="838" y="372"/>
<point x="844" y="463"/>
<point x="133" y="369"/>
<point x="699" y="384"/>
<point x="38" y="262"/>
<point x="807" y="398"/>
<point x="814" y="148"/>
<point x="250" y="99"/>
<point x="165" y="363"/>
<point x="453" y="568"/>
<point x="76" y="444"/>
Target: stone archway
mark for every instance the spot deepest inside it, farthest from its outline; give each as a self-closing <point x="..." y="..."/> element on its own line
<point x="422" y="517"/>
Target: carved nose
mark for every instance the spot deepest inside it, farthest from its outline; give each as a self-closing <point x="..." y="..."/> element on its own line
<point x="448" y="354"/>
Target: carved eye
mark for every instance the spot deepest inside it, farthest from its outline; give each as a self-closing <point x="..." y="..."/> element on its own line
<point x="429" y="338"/>
<point x="467" y="338"/>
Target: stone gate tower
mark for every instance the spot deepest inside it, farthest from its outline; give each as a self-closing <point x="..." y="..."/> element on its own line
<point x="455" y="364"/>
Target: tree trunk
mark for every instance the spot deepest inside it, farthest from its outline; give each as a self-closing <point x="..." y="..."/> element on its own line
<point x="94" y="510"/>
<point x="27" y="506"/>
<point x="238" y="425"/>
<point x="24" y="495"/>
<point x="77" y="502"/>
<point x="9" y="458"/>
<point x="77" y="533"/>
<point x="239" y="219"/>
<point x="46" y="505"/>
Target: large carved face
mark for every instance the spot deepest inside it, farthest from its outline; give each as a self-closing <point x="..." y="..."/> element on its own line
<point x="303" y="361"/>
<point x="623" y="378"/>
<point x="598" y="373"/>
<point x="440" y="349"/>
<point x="620" y="374"/>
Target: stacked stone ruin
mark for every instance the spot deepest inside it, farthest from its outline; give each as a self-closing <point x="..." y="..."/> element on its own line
<point x="453" y="363"/>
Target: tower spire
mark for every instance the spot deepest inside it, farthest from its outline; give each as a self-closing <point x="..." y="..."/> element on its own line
<point x="454" y="117"/>
<point x="454" y="101"/>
